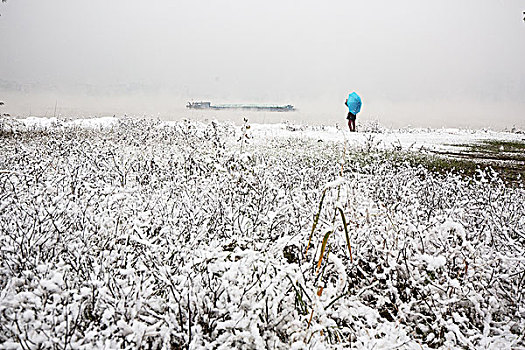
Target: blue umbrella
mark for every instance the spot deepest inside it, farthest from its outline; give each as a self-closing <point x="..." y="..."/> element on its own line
<point x="354" y="103"/>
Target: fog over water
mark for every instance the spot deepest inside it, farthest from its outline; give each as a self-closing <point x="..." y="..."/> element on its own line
<point x="439" y="64"/>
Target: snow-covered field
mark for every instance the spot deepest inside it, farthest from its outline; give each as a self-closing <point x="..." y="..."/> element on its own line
<point x="125" y="233"/>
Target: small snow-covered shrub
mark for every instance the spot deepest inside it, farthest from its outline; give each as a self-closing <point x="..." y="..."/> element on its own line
<point x="144" y="234"/>
<point x="372" y="126"/>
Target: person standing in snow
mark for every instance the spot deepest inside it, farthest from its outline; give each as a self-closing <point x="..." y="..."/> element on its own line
<point x="353" y="102"/>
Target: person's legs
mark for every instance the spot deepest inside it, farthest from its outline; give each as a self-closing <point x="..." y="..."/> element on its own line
<point x="351" y="121"/>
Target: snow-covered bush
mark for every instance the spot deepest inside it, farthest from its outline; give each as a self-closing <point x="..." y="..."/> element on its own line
<point x="372" y="126"/>
<point x="189" y="235"/>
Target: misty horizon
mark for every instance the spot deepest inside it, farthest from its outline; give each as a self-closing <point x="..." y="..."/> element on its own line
<point x="438" y="65"/>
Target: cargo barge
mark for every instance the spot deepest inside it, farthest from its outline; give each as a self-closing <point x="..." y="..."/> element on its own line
<point x="270" y="108"/>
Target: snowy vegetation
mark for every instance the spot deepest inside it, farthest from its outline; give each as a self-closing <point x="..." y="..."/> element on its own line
<point x="144" y="234"/>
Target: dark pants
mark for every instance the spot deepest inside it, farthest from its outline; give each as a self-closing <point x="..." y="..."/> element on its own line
<point x="351" y="121"/>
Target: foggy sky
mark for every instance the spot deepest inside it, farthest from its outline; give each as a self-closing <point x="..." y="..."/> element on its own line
<point x="449" y="63"/>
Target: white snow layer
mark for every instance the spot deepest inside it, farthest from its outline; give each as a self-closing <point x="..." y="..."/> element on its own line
<point x="148" y="234"/>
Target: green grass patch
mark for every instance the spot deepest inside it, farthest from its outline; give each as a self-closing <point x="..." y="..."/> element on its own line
<point x="447" y="163"/>
<point x="512" y="172"/>
<point x="499" y="146"/>
<point x="444" y="165"/>
<point x="497" y="150"/>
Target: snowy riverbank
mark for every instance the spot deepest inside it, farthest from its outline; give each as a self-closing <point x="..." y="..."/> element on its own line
<point x="140" y="233"/>
<point x="407" y="138"/>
